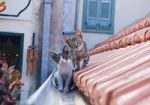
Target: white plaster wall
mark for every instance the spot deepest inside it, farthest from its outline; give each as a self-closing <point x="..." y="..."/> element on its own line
<point x="69" y="15"/>
<point x="26" y="27"/>
<point x="20" y="27"/>
<point x="127" y="12"/>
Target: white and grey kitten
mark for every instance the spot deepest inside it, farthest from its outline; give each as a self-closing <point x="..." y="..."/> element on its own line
<point x="63" y="74"/>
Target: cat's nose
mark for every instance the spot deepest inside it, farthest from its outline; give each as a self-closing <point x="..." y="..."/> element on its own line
<point x="64" y="61"/>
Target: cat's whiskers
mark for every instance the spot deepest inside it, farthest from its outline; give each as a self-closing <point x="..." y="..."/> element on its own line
<point x="62" y="60"/>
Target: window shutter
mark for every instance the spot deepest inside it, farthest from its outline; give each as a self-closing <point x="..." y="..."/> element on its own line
<point x="98" y="16"/>
<point x="105" y="14"/>
<point x="92" y="14"/>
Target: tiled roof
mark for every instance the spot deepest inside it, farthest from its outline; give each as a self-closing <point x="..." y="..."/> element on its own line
<point x="145" y="22"/>
<point x="131" y="39"/>
<point x="119" y="70"/>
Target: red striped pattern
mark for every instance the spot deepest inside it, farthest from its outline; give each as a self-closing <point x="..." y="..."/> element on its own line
<point x="119" y="69"/>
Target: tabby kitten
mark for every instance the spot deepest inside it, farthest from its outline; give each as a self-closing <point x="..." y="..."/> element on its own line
<point x="62" y="76"/>
<point x="79" y="50"/>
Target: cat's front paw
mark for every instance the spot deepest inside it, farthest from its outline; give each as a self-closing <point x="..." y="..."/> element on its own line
<point x="66" y="91"/>
<point x="77" y="69"/>
<point x="73" y="87"/>
<point x="60" y="89"/>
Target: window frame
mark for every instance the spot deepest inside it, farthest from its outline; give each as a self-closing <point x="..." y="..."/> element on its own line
<point x="21" y="47"/>
<point x="90" y="30"/>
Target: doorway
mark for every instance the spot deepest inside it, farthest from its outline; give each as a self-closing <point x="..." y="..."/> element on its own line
<point x="11" y="49"/>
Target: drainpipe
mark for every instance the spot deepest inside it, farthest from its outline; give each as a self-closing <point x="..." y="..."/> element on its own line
<point x="77" y="15"/>
<point x="56" y="30"/>
<point x="45" y="40"/>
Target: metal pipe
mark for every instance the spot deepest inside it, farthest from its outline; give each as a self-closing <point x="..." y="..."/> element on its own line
<point x="77" y="15"/>
<point x="45" y="40"/>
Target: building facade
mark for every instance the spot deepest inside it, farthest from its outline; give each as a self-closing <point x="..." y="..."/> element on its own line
<point x="118" y="14"/>
<point x="97" y="19"/>
<point x="18" y="21"/>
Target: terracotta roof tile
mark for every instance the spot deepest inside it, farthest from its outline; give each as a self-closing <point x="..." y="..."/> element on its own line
<point x="145" y="22"/>
<point x="112" y="67"/>
<point x="131" y="39"/>
<point x="119" y="69"/>
<point x="134" y="90"/>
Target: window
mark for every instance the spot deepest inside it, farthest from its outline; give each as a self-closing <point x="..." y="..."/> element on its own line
<point x="98" y="16"/>
<point x="11" y="48"/>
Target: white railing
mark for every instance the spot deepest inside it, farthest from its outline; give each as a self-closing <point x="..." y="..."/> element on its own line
<point x="41" y="96"/>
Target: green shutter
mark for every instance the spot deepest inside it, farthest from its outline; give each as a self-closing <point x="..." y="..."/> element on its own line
<point x="92" y="14"/>
<point x="98" y="16"/>
<point x="105" y="14"/>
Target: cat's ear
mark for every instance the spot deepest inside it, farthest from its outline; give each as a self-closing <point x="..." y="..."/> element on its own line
<point x="65" y="49"/>
<point x="79" y="34"/>
<point x="52" y="54"/>
<point x="66" y="38"/>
